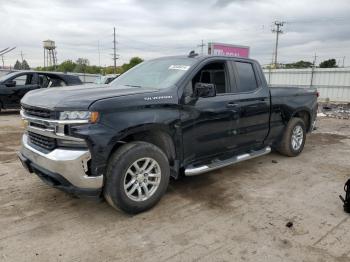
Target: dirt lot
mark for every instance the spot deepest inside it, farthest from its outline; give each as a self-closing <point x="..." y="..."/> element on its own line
<point x="236" y="213"/>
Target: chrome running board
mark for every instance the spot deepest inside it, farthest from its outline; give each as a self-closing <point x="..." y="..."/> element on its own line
<point x="191" y="171"/>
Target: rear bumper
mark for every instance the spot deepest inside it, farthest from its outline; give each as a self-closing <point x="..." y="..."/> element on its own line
<point x="65" y="169"/>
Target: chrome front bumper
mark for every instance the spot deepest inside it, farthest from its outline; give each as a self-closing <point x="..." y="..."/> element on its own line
<point x="72" y="165"/>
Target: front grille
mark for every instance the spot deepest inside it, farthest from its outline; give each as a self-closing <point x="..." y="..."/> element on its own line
<point x="45" y="142"/>
<point x="39" y="112"/>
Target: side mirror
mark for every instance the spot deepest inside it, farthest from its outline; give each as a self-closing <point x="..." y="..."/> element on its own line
<point x="204" y="90"/>
<point x="10" y="83"/>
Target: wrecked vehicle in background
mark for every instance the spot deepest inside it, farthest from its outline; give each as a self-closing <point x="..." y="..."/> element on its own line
<point x="166" y="117"/>
<point x="105" y="80"/>
<point x="15" y="85"/>
<point x="335" y="110"/>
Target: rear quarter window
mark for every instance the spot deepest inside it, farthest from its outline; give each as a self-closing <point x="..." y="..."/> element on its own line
<point x="246" y="77"/>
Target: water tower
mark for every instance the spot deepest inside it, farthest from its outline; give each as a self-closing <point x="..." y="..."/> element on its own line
<point x="50" y="55"/>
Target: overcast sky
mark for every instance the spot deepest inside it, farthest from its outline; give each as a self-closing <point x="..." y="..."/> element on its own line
<point x="156" y="28"/>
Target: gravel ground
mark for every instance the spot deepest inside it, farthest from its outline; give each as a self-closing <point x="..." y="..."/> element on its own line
<point x="238" y="213"/>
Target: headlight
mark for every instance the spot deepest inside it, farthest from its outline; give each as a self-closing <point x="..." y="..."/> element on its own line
<point x="79" y="115"/>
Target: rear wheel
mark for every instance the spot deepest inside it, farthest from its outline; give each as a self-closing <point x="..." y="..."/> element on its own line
<point x="294" y="136"/>
<point x="137" y="177"/>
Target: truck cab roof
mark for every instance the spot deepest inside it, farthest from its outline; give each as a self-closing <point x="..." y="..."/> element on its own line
<point x="200" y="58"/>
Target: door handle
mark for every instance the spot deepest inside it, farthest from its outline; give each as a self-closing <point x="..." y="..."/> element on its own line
<point x="232" y="104"/>
<point x="264" y="99"/>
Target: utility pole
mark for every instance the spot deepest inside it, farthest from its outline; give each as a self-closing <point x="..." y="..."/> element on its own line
<point x="22" y="56"/>
<point x="114" y="52"/>
<point x="202" y="45"/>
<point x="314" y="62"/>
<point x="312" y="70"/>
<point x="99" y="53"/>
<point x="277" y="30"/>
<point x="343" y="61"/>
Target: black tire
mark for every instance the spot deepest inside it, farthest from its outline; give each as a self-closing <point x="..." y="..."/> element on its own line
<point x="118" y="165"/>
<point x="286" y="146"/>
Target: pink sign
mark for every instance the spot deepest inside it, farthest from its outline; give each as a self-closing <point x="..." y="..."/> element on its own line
<point x="228" y="50"/>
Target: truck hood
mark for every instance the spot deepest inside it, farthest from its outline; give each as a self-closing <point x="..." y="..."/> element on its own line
<point x="77" y="97"/>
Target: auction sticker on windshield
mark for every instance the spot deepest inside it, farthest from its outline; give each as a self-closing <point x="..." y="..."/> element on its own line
<point x="179" y="67"/>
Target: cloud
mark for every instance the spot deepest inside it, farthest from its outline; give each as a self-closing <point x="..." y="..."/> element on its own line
<point x="225" y="3"/>
<point x="155" y="28"/>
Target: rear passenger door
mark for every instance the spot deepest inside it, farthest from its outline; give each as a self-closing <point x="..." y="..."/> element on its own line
<point x="254" y="106"/>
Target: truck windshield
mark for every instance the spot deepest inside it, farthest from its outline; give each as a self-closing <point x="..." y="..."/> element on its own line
<point x="158" y="73"/>
<point x="7" y="76"/>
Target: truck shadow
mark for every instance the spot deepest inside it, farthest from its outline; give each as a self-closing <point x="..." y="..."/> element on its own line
<point x="207" y="189"/>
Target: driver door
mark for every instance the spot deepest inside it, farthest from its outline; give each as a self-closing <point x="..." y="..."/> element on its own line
<point x="207" y="121"/>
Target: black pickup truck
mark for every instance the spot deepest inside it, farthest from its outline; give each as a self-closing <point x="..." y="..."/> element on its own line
<point x="166" y="117"/>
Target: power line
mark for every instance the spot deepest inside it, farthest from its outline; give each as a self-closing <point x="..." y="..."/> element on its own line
<point x="278" y="31"/>
<point x="5" y="51"/>
<point x="317" y="21"/>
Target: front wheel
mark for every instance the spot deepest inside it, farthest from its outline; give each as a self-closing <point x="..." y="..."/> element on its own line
<point x="137" y="177"/>
<point x="294" y="136"/>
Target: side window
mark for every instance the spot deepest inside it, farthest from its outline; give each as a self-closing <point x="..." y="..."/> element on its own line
<point x="246" y="77"/>
<point x="213" y="73"/>
<point x="21" y="80"/>
<point x="43" y="81"/>
<point x="55" y="82"/>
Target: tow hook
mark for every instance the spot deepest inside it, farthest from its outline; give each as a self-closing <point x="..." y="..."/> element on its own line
<point x="346" y="201"/>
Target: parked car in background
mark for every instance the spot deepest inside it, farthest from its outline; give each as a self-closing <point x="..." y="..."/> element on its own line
<point x="106" y="79"/>
<point x="15" y="85"/>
